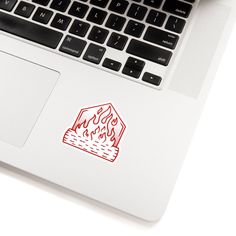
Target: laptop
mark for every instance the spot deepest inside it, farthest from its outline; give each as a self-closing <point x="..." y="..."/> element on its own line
<point x="102" y="97"/>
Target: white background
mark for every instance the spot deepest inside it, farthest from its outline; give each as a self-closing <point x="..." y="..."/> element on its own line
<point x="203" y="202"/>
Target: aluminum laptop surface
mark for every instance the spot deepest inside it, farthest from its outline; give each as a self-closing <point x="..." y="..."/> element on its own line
<point x="104" y="134"/>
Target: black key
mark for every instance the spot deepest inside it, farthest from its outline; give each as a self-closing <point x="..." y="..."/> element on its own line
<point x="161" y="37"/>
<point x="41" y="2"/>
<point x="175" y="24"/>
<point x="134" y="28"/>
<point x="131" y="72"/>
<point x="153" y="3"/>
<point x="30" y="31"/>
<point x="7" y="5"/>
<point x="156" y="18"/>
<point x="98" y="34"/>
<point x="78" y="9"/>
<point x="133" y="67"/>
<point x="94" y="53"/>
<point x="99" y="3"/>
<point x="137" y="12"/>
<point x="177" y="7"/>
<point x="73" y="46"/>
<point x="111" y="64"/>
<point x="152" y="79"/>
<point x="117" y="41"/>
<point x="115" y="22"/>
<point x="135" y="64"/>
<point x="79" y="28"/>
<point x="149" y="52"/>
<point x="60" y="5"/>
<point x="24" y="9"/>
<point x="42" y="15"/>
<point x="96" y="16"/>
<point x="60" y="21"/>
<point x="119" y="6"/>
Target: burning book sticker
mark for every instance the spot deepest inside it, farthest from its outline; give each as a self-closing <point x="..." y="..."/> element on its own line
<point x="98" y="131"/>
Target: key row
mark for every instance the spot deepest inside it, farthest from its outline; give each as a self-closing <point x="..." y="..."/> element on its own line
<point x="98" y="16"/>
<point x="117" y="22"/>
<point x="114" y="21"/>
<point x="75" y="46"/>
<point x="51" y="38"/>
<point x="117" y="41"/>
<point x="132" y="69"/>
<point x="98" y="34"/>
<point x="120" y="6"/>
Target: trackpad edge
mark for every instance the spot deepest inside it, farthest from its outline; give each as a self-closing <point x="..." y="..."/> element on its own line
<point x="25" y="87"/>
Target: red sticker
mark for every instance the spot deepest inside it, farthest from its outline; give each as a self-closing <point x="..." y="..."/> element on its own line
<point x="98" y="131"/>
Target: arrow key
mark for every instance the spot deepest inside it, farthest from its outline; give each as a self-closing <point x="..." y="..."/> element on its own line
<point x="133" y="67"/>
<point x="131" y="72"/>
<point x="152" y="79"/>
<point x="111" y="64"/>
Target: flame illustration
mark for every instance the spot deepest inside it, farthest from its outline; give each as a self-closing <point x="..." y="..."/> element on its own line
<point x="102" y="126"/>
<point x="97" y="130"/>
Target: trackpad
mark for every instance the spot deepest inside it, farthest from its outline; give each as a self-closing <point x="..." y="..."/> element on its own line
<point x="24" y="89"/>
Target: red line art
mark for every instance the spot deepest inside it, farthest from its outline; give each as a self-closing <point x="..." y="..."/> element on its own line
<point x="98" y="126"/>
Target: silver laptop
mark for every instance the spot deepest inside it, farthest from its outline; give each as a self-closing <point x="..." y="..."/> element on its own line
<point x="102" y="96"/>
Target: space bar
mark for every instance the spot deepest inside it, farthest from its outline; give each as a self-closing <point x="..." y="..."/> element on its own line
<point x="29" y="30"/>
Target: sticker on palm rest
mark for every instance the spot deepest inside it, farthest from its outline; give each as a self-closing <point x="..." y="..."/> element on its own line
<point x="98" y="131"/>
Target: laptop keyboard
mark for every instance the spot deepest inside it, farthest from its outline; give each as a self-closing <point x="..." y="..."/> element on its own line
<point x="133" y="39"/>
